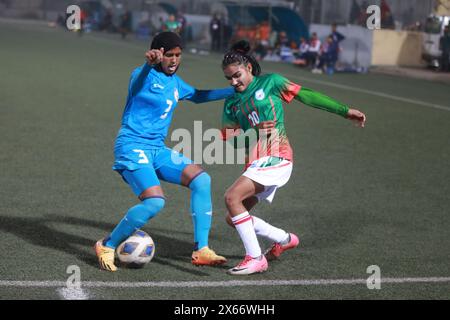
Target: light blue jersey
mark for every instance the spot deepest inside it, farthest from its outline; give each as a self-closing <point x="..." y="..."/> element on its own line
<point x="152" y="98"/>
<point x="148" y="114"/>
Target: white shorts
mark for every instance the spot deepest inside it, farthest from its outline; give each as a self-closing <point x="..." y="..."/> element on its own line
<point x="271" y="177"/>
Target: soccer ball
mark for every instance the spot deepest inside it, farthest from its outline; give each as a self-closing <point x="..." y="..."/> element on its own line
<point x="137" y="250"/>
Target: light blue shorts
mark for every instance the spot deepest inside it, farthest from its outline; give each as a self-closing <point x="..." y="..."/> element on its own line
<point x="143" y="168"/>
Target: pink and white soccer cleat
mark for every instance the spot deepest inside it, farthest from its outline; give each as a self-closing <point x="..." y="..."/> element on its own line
<point x="277" y="249"/>
<point x="250" y="265"/>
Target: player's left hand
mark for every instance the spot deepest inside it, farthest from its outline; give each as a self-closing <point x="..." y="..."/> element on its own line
<point x="357" y="116"/>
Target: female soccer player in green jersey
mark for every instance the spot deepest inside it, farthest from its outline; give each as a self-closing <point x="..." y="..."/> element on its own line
<point x="257" y="104"/>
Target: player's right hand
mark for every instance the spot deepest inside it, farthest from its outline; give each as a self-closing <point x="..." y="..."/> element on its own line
<point x="266" y="127"/>
<point x="357" y="117"/>
<point x="154" y="56"/>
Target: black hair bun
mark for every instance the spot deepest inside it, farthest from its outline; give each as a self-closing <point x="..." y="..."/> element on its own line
<point x="242" y="46"/>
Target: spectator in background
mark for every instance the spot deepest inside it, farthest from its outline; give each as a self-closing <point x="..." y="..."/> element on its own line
<point x="362" y="20"/>
<point x="388" y="22"/>
<point x="355" y="12"/>
<point x="227" y="33"/>
<point x="215" y="30"/>
<point x="314" y="49"/>
<point x="172" y="24"/>
<point x="282" y="40"/>
<point x="61" y="21"/>
<point x="384" y="8"/>
<point x="251" y="35"/>
<point x="262" y="35"/>
<point x="125" y="23"/>
<point x="182" y="24"/>
<point x="161" y="25"/>
<point x="144" y="27"/>
<point x="328" y="56"/>
<point x="286" y="54"/>
<point x="335" y="35"/>
<point x="83" y="19"/>
<point x="107" y="24"/>
<point x="303" y="48"/>
<point x="302" y="53"/>
<point x="293" y="45"/>
<point x="239" y="33"/>
<point x="273" y="39"/>
<point x="265" y="33"/>
<point x="387" y="19"/>
<point x="444" y="45"/>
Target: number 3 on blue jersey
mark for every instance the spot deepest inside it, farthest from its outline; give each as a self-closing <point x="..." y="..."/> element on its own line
<point x="166" y="112"/>
<point x="142" y="157"/>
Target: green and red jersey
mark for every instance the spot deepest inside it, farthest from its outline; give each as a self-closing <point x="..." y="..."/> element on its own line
<point x="263" y="101"/>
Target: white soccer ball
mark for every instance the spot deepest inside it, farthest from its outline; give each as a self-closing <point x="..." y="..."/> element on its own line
<point x="137" y="250"/>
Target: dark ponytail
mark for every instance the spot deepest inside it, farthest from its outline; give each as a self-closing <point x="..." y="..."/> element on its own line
<point x="240" y="53"/>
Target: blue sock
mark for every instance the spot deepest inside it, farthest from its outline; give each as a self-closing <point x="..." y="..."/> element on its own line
<point x="134" y="219"/>
<point x="201" y="209"/>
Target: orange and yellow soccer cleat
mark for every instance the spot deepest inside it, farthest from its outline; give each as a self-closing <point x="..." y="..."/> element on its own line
<point x="105" y="256"/>
<point x="207" y="257"/>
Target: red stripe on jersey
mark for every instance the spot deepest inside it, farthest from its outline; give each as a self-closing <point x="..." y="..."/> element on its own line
<point x="290" y="92"/>
<point x="273" y="109"/>
<point x="248" y="108"/>
<point x="253" y="105"/>
<point x="249" y="113"/>
<point x="246" y="115"/>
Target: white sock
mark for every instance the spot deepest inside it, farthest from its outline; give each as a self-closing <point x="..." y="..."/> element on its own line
<point x="244" y="226"/>
<point x="266" y="230"/>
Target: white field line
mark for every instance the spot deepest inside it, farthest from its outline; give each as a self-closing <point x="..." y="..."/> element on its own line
<point x="231" y="283"/>
<point x="373" y="93"/>
<point x="351" y="88"/>
<point x="73" y="293"/>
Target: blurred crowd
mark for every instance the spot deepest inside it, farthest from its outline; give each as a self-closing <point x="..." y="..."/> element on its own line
<point x="124" y="25"/>
<point x="318" y="55"/>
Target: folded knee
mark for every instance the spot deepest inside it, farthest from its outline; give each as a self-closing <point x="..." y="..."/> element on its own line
<point x="151" y="207"/>
<point x="232" y="199"/>
<point x="154" y="203"/>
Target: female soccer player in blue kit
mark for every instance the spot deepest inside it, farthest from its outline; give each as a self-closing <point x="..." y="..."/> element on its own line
<point x="142" y="159"/>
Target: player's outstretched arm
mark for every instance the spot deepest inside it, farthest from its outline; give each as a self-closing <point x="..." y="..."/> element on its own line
<point x="201" y="96"/>
<point x="152" y="57"/>
<point x="318" y="100"/>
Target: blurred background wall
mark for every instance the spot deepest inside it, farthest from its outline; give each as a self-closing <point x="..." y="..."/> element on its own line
<point x="312" y="11"/>
<point x="402" y="44"/>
